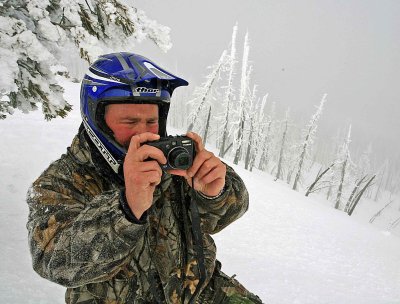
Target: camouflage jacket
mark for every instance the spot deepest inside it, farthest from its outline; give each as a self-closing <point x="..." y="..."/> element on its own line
<point x="80" y="238"/>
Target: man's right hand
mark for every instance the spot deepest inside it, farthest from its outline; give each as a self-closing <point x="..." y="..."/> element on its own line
<point x="142" y="172"/>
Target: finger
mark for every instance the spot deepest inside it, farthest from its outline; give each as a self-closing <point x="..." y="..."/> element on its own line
<point x="178" y="172"/>
<point x="139" y="177"/>
<point x="145" y="152"/>
<point x="212" y="176"/>
<point x="198" y="142"/>
<point x="207" y="166"/>
<point x="151" y="178"/>
<point x="138" y="139"/>
<point x="148" y="166"/>
<point x="200" y="158"/>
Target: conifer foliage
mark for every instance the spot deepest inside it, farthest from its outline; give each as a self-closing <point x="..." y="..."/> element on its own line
<point x="34" y="35"/>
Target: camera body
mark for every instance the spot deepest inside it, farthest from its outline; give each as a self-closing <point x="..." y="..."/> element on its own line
<point x="178" y="150"/>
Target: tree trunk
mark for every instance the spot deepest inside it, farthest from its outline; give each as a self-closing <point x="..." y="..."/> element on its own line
<point x="262" y="165"/>
<point x="319" y="176"/>
<point x="340" y="189"/>
<point x="279" y="170"/>
<point x="249" y="147"/>
<point x="302" y="157"/>
<point x="349" y="201"/>
<point x="239" y="140"/>
<point x="357" y="199"/>
<point x="207" y="127"/>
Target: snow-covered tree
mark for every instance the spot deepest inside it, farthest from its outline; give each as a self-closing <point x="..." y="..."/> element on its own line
<point x="229" y="93"/>
<point x="203" y="94"/>
<point x="207" y="127"/>
<point x="268" y="134"/>
<point x="252" y="118"/>
<point x="382" y="173"/>
<point x="344" y="162"/>
<point x="308" y="141"/>
<point x="318" y="182"/>
<point x="36" y="36"/>
<point x="243" y="97"/>
<point x="357" y="193"/>
<point x="282" y="146"/>
<point x="258" y="133"/>
<point x="364" y="162"/>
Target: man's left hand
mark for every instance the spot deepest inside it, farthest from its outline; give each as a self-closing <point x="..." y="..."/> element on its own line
<point x="207" y="172"/>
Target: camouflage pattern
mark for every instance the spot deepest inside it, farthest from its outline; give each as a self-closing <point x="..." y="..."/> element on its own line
<point x="80" y="238"/>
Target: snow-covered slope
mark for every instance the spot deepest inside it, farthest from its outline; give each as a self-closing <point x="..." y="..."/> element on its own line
<point x="287" y="248"/>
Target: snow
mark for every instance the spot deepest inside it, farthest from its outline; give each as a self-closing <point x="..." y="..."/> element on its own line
<point x="287" y="248"/>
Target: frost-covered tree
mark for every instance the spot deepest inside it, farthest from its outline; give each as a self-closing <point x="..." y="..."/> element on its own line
<point x="309" y="135"/>
<point x="268" y="134"/>
<point x="357" y="193"/>
<point x="243" y="97"/>
<point x="252" y="138"/>
<point x="258" y="132"/>
<point x="207" y="126"/>
<point x="37" y="35"/>
<point x="364" y="162"/>
<point x="229" y="93"/>
<point x="382" y="173"/>
<point x="204" y="93"/>
<point x="282" y="146"/>
<point x="344" y="162"/>
<point x="318" y="182"/>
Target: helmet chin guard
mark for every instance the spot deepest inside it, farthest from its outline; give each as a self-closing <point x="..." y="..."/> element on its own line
<point x="123" y="78"/>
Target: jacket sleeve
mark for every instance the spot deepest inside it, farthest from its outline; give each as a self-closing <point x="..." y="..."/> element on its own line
<point x="76" y="235"/>
<point x="218" y="213"/>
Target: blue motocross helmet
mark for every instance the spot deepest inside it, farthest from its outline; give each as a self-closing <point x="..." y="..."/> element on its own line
<point x="123" y="78"/>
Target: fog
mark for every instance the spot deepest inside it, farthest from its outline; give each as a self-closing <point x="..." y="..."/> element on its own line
<point x="299" y="51"/>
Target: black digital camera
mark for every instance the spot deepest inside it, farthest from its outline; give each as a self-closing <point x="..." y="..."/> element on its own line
<point x="178" y="150"/>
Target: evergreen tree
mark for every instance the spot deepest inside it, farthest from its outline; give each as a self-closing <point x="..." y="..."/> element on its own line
<point x="268" y="134"/>
<point x="282" y="146"/>
<point x="229" y="93"/>
<point x="344" y="162"/>
<point x="242" y="105"/>
<point x="203" y="94"/>
<point x="252" y="138"/>
<point x="259" y="125"/>
<point x="36" y="34"/>
<point x="308" y="141"/>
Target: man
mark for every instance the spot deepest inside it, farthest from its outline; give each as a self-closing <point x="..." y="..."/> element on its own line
<point x="109" y="224"/>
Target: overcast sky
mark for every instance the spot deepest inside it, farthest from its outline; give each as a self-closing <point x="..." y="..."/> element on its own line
<point x="300" y="50"/>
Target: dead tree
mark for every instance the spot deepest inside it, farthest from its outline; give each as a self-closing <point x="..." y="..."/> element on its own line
<point x="207" y="127"/>
<point x="308" y="141"/>
<point x="229" y="94"/>
<point x="317" y="178"/>
<point x="345" y="162"/>
<point x="373" y="218"/>
<point x="244" y="92"/>
<point x="280" y="160"/>
<point x="358" y="196"/>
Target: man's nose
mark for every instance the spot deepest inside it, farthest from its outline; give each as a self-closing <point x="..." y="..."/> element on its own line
<point x="141" y="128"/>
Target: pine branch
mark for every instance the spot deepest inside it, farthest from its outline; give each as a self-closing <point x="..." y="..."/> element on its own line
<point x="87" y="22"/>
<point x="90" y="9"/>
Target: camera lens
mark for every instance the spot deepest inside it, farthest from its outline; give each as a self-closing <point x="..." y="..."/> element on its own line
<point x="179" y="158"/>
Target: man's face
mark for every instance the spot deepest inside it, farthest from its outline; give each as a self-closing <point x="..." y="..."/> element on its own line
<point x="127" y="120"/>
